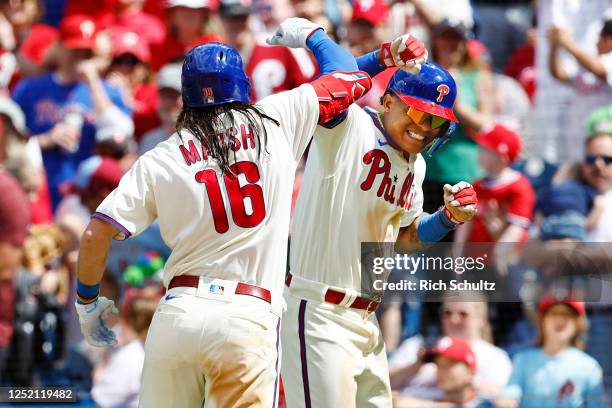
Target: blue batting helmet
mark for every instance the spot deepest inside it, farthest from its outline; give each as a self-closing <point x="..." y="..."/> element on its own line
<point x="213" y="74"/>
<point x="432" y="90"/>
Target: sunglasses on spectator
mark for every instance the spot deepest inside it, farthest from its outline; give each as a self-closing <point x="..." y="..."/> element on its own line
<point x="592" y="159"/>
<point x="419" y="117"/>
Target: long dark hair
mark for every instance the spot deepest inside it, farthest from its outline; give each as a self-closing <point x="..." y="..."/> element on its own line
<point x="210" y="125"/>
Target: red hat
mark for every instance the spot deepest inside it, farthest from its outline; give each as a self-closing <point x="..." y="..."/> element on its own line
<point x="455" y="349"/>
<point x="374" y="12"/>
<point x="78" y="31"/>
<point x="501" y="140"/>
<point x="93" y="175"/>
<point x="128" y="42"/>
<point x="550" y="300"/>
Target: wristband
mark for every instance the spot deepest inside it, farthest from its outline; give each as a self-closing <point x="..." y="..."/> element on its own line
<point x="434" y="227"/>
<point x="87" y="293"/>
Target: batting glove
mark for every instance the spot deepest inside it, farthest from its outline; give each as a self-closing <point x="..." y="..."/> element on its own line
<point x="293" y="33"/>
<point x="460" y="202"/>
<point x="405" y="52"/>
<point x="91" y="319"/>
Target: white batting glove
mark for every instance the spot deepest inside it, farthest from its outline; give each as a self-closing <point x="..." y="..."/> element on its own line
<point x="460" y="202"/>
<point x="293" y="33"/>
<point x="405" y="52"/>
<point x="91" y="319"/>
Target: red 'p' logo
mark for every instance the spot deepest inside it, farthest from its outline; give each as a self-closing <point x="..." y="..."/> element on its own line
<point x="443" y="90"/>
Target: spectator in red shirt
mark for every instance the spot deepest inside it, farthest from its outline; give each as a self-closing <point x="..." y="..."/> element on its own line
<point x="131" y="17"/>
<point x="505" y="197"/>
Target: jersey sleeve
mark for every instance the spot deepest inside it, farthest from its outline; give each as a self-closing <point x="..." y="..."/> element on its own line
<point x="130" y="208"/>
<point x="297" y="111"/>
<point x="521" y="204"/>
<point x="416" y="195"/>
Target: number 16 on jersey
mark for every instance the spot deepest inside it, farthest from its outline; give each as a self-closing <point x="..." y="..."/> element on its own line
<point x="237" y="196"/>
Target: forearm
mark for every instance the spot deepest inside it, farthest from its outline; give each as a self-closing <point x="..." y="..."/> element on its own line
<point x="93" y="253"/>
<point x="408" y="240"/>
<point x="512" y="233"/>
<point x="471" y="118"/>
<point x="425" y="230"/>
<point x="370" y="63"/>
<point x="401" y="376"/>
<point x="554" y="64"/>
<point x="99" y="97"/>
<point x="589" y="61"/>
<point x="329" y="55"/>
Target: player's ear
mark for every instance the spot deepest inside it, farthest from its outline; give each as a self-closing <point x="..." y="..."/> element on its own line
<point x="387" y="101"/>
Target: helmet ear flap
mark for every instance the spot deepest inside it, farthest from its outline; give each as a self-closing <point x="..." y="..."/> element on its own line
<point x="446" y="131"/>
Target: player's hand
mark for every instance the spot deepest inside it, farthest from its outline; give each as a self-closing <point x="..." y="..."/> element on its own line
<point x="91" y="319"/>
<point x="460" y="202"/>
<point x="293" y="32"/>
<point x="405" y="52"/>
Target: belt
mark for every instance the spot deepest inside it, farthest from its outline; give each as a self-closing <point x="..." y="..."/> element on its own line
<point x="336" y="297"/>
<point x="241" y="288"/>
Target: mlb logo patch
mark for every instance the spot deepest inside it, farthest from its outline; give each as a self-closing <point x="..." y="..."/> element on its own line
<point x="215" y="289"/>
<point x="208" y="94"/>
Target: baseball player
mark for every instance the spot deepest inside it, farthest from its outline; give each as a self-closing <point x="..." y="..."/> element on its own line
<point x="221" y="188"/>
<point x="362" y="183"/>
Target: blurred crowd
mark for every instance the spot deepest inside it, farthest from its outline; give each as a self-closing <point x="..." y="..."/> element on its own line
<point x="87" y="86"/>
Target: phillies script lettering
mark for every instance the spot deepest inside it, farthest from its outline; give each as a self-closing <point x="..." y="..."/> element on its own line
<point x="380" y="165"/>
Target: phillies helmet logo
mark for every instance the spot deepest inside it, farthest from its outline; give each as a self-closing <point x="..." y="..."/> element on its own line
<point x="443" y="90"/>
<point x="208" y="95"/>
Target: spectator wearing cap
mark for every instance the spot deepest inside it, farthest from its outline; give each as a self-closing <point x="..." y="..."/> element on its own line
<point x="130" y="71"/>
<point x="46" y="100"/>
<point x="556" y="372"/>
<point x="455" y="370"/>
<point x="367" y="29"/>
<point x="186" y="27"/>
<point x="474" y="108"/>
<point x="466" y="318"/>
<point x="170" y="103"/>
<point x="271" y="69"/>
<point x="505" y="197"/>
<point x="597" y="172"/>
<point x="593" y="176"/>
